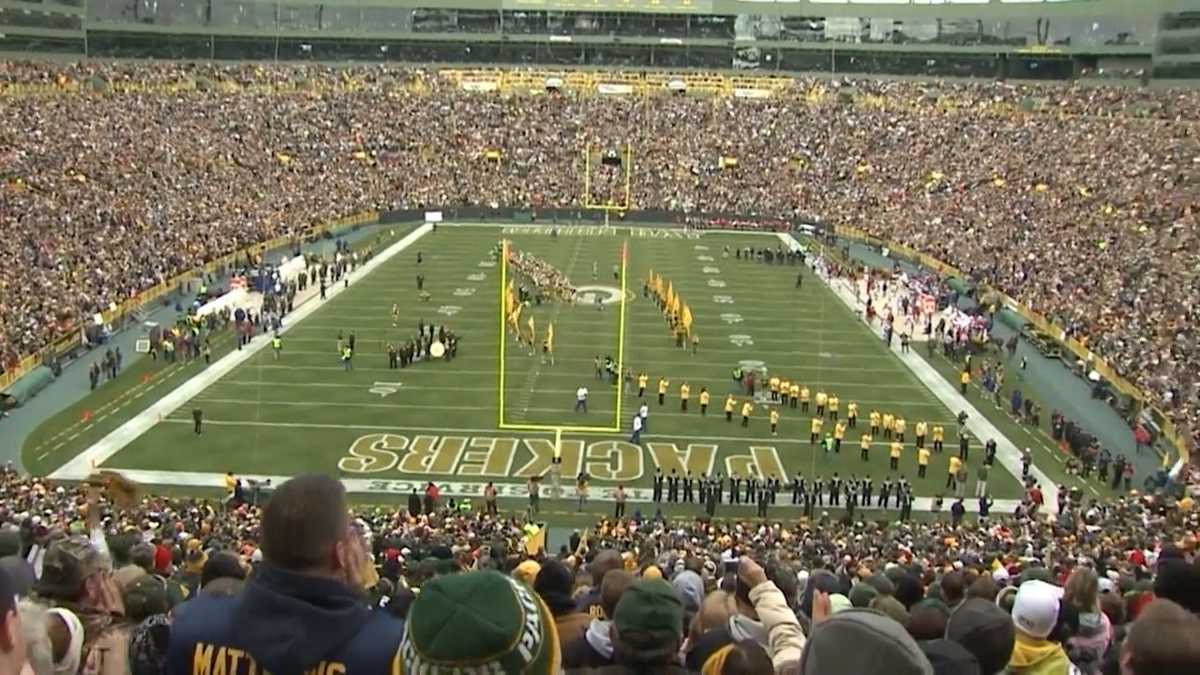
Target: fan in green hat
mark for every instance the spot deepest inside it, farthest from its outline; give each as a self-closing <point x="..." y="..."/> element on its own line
<point x="479" y="620"/>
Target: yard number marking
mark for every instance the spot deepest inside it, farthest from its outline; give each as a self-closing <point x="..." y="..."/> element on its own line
<point x="385" y="388"/>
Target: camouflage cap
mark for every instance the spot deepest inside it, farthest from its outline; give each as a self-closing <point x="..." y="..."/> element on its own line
<point x="67" y="564"/>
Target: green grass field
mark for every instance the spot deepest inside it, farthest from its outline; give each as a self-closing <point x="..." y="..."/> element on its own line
<point x="440" y="420"/>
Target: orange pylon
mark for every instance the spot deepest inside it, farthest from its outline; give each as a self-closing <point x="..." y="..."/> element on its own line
<point x="146" y="377"/>
<point x="87" y="416"/>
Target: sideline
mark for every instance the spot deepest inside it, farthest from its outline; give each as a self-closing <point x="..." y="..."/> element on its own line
<point x="980" y="427"/>
<point x="86" y="462"/>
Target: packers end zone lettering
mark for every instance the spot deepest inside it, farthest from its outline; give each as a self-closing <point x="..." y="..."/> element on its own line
<point x="487" y="458"/>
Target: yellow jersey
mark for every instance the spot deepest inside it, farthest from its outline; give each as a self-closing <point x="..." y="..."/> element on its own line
<point x="874" y="418"/>
<point x="923" y="457"/>
<point x="965" y="377"/>
<point x="839" y="431"/>
<point x="785" y="387"/>
<point x="821" y="398"/>
<point x="816" y="424"/>
<point x="729" y="403"/>
<point x="865" y="441"/>
<point x="642" y="380"/>
<point x="804" y="394"/>
<point x="852" y="409"/>
<point x="899" y="425"/>
<point x="834" y="402"/>
<point x="662" y="385"/>
<point x="774" y="416"/>
<point x="703" y="398"/>
<point x="747" y="408"/>
<point x="897" y="447"/>
<point x="773" y="383"/>
<point x="684" y="391"/>
<point x="795" y="390"/>
<point x="955" y="464"/>
<point x="921" y="428"/>
<point x="939" y="433"/>
<point x="888" y="421"/>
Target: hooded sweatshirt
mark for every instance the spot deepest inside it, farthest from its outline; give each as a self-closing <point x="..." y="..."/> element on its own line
<point x="593" y="650"/>
<point x="1032" y="656"/>
<point x="1088" y="646"/>
<point x="283" y="622"/>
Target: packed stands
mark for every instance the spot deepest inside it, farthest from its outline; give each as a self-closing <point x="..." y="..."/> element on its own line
<point x="149" y="578"/>
<point x="1079" y="202"/>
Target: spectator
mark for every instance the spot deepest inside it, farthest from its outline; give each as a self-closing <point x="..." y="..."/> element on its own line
<point x="38" y="649"/>
<point x="303" y="607"/>
<point x="1089" y="644"/>
<point x="13" y="657"/>
<point x="76" y="577"/>
<point x="952" y="589"/>
<point x="595" y="648"/>
<point x="1179" y="581"/>
<point x="221" y="565"/>
<point x="1162" y="640"/>
<point x="145" y="597"/>
<point x="510" y="628"/>
<point x="1035" y="614"/>
<point x="553" y="584"/>
<point x="859" y="641"/>
<point x="590" y="601"/>
<point x="986" y="631"/>
<point x="647" y="629"/>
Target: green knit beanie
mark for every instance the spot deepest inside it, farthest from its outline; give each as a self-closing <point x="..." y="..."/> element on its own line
<point x="482" y="621"/>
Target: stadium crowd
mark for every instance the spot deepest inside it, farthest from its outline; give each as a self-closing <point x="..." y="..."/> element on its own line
<point x="1084" y="210"/>
<point x="113" y="582"/>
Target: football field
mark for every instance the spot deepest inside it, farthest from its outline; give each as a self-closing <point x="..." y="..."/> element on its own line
<point x="460" y="423"/>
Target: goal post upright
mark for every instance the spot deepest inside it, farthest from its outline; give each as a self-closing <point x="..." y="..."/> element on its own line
<point x="503" y="337"/>
<point x="621" y="334"/>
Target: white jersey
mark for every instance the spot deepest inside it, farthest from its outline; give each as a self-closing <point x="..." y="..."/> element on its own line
<point x="644" y="411"/>
<point x="581" y="394"/>
<point x="637" y="422"/>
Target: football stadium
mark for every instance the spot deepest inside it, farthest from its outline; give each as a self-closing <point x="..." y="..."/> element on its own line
<point x="697" y="336"/>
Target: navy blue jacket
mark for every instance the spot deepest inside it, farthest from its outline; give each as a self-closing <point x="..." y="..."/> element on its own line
<point x="283" y="624"/>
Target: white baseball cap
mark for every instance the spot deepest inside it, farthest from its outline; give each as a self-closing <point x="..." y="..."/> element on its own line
<point x="1035" y="610"/>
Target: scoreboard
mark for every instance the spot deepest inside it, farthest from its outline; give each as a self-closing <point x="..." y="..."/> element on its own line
<point x="656" y="6"/>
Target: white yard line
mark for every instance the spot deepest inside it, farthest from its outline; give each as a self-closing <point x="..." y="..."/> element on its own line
<point x="83" y="464"/>
<point x="633" y="405"/>
<point x="403" y="372"/>
<point x="459" y="431"/>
